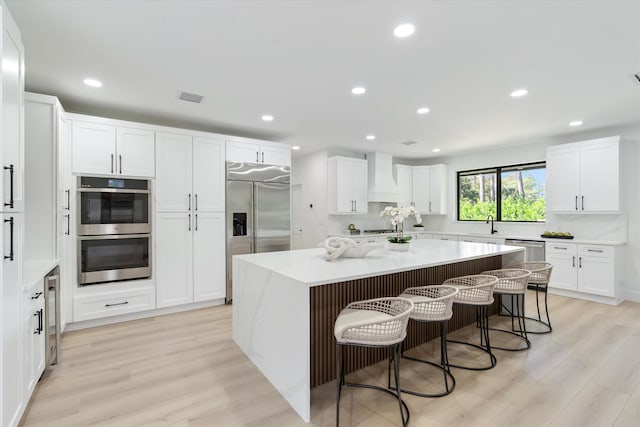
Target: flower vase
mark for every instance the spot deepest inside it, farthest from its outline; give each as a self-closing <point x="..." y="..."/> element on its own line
<point x="400" y="247"/>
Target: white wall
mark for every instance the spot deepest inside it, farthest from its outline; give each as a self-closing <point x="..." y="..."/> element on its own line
<point x="311" y="172"/>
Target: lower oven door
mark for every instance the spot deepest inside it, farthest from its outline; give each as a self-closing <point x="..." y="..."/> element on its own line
<point x="113" y="257"/>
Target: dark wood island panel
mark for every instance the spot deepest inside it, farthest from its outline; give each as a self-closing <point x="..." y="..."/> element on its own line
<point x="326" y="301"/>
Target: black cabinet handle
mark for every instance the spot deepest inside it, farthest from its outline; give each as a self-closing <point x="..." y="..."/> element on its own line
<point x="582" y="202"/>
<point x="189" y="229"/>
<point x="39" y="329"/>
<point x="196" y="201"/>
<point x="576" y="202"/>
<point x="263" y="157"/>
<point x="196" y="222"/>
<point x="257" y="158"/>
<point x="11" y="170"/>
<point x="112" y="163"/>
<point x="580" y="262"/>
<point x="595" y="250"/>
<point x="573" y="262"/>
<point x="120" y="158"/>
<point x="68" y="232"/>
<point x="189" y="196"/>
<point x="10" y="256"/>
<point x="68" y="200"/>
<point x="559" y="247"/>
<point x="118" y="303"/>
<point x="37" y="295"/>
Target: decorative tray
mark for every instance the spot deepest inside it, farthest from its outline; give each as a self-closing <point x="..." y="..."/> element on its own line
<point x="557" y="237"/>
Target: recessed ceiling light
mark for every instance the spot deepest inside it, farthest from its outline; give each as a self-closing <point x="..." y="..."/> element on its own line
<point x="575" y="123"/>
<point x="295" y="147"/>
<point x="518" y="93"/>
<point x="358" y="90"/>
<point x="371" y="137"/>
<point x="92" y="82"/>
<point x="436" y="150"/>
<point x="267" y="118"/>
<point x="422" y="110"/>
<point x="404" y="30"/>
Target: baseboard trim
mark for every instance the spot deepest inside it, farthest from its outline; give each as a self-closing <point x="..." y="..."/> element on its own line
<point x="141" y="315"/>
<point x="586" y="297"/>
<point x="630" y="294"/>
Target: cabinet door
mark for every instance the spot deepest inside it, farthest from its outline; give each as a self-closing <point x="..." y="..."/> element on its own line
<point x="39" y="354"/>
<point x="420" y="188"/>
<point x="248" y="152"/>
<point x="403" y="181"/>
<point x="344" y="201"/>
<point x="275" y="155"/>
<point x="208" y="175"/>
<point x="29" y="328"/>
<point x="208" y="256"/>
<point x="437" y="189"/>
<point x="563" y="178"/>
<point x="599" y="177"/>
<point x="595" y="275"/>
<point x="12" y="114"/>
<point x="65" y="251"/>
<point x="94" y="148"/>
<point x="174" y="253"/>
<point x="136" y="152"/>
<point x="173" y="181"/>
<point x="564" y="275"/>
<point x="65" y="177"/>
<point x="11" y="318"/>
<point x="359" y="186"/>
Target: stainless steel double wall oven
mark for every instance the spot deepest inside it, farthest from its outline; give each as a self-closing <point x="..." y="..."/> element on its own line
<point x="114" y="229"/>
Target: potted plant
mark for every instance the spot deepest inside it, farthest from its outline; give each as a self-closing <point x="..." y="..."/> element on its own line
<point x="397" y="215"/>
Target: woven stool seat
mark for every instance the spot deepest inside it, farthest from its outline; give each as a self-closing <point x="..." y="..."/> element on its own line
<point x="539" y="279"/>
<point x="380" y="322"/>
<point x="476" y="290"/>
<point x="432" y="304"/>
<point x="513" y="282"/>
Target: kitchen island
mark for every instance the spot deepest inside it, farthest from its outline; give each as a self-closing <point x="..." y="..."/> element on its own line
<point x="285" y="304"/>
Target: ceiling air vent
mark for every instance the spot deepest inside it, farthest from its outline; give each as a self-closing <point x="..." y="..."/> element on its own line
<point x="409" y="142"/>
<point x="191" y="97"/>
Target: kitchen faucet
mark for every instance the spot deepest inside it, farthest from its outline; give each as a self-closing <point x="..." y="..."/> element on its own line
<point x="493" y="230"/>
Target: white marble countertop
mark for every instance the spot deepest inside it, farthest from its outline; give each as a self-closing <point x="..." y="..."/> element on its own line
<point x="309" y="267"/>
<point x="34" y="271"/>
<point x="495" y="236"/>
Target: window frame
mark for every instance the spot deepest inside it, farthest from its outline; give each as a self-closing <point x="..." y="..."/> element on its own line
<point x="498" y="171"/>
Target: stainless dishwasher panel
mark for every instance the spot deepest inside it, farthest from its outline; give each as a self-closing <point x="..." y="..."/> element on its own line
<point x="533" y="249"/>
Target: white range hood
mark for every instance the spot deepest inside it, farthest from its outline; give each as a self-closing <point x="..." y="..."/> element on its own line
<point x="382" y="187"/>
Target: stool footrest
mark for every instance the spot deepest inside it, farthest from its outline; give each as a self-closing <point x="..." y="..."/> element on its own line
<point x="448" y="378"/>
<point x="492" y="357"/>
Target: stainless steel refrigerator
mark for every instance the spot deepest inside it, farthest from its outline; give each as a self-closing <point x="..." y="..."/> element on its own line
<point x="258" y="211"/>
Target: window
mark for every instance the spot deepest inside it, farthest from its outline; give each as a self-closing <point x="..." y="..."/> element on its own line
<point x="508" y="193"/>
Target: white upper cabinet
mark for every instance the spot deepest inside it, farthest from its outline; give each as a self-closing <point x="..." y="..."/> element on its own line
<point x="270" y="153"/>
<point x="135" y="149"/>
<point x="190" y="173"/>
<point x="584" y="177"/>
<point x="208" y="174"/>
<point x="12" y="184"/>
<point x="173" y="163"/>
<point x="423" y="187"/>
<point x="104" y="149"/>
<point x="348" y="190"/>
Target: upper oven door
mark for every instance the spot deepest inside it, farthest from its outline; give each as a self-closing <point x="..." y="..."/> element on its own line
<point x="113" y="211"/>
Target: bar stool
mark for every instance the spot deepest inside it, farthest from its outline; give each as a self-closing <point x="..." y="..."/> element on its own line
<point x="380" y="322"/>
<point x="432" y="304"/>
<point x="476" y="291"/>
<point x="540" y="275"/>
<point x="513" y="282"/>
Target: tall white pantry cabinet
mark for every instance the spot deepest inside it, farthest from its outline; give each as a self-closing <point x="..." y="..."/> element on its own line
<point x="12" y="212"/>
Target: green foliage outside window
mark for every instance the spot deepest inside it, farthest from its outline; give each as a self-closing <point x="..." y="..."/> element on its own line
<point x="522" y="194"/>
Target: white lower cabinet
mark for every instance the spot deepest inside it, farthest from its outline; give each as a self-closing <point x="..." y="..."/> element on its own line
<point x="190" y="257"/>
<point x="589" y="269"/>
<point x="111" y="303"/>
<point x="33" y="343"/>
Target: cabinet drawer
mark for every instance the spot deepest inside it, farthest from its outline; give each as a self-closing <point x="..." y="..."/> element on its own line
<point x="445" y="237"/>
<point x="596" y="250"/>
<point x="113" y="303"/>
<point x="561" y="248"/>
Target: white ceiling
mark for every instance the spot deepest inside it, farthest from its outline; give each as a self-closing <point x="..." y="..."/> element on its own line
<point x="298" y="61"/>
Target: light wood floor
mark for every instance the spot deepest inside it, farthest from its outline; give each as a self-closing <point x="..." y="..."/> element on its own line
<point x="184" y="370"/>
